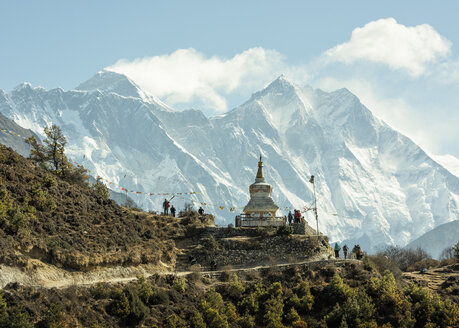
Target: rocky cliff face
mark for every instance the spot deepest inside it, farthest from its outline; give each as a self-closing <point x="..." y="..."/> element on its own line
<point x="374" y="186"/>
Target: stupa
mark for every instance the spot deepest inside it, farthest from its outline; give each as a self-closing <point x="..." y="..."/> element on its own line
<point x="261" y="209"/>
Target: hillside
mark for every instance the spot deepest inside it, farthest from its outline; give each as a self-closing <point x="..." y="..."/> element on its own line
<point x="436" y="240"/>
<point x="51" y="220"/>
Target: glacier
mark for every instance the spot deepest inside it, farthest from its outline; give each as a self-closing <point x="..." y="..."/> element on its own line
<point x="374" y="185"/>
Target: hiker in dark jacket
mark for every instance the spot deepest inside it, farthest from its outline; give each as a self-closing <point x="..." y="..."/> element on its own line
<point x="345" y="251"/>
<point x="201" y="211"/>
<point x="290" y="217"/>
<point x="166" y="206"/>
<point x="173" y="211"/>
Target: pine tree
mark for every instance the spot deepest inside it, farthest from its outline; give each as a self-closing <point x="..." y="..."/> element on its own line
<point x="50" y="156"/>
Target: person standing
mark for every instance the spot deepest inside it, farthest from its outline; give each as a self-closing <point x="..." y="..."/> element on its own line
<point x="290" y="217"/>
<point x="201" y="210"/>
<point x="173" y="211"/>
<point x="297" y="216"/>
<point x="166" y="207"/>
<point x="345" y="251"/>
<point x="337" y="249"/>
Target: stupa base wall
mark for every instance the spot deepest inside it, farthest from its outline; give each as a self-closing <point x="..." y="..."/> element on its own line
<point x="261" y="223"/>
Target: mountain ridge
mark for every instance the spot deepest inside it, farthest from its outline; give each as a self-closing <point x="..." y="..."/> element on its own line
<point x="377" y="180"/>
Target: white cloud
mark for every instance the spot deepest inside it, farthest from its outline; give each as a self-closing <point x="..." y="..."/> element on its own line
<point x="188" y="76"/>
<point x="398" y="46"/>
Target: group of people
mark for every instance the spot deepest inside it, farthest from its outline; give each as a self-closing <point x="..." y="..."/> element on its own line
<point x="294" y="218"/>
<point x="168" y="207"/>
<point x="358" y="253"/>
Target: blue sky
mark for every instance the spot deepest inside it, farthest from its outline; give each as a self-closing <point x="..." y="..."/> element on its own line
<point x="399" y="57"/>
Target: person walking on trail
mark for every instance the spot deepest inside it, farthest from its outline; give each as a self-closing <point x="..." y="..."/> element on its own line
<point x="201" y="210"/>
<point x="173" y="211"/>
<point x="166" y="206"/>
<point x="337" y="249"/>
<point x="290" y="217"/>
<point x="345" y="251"/>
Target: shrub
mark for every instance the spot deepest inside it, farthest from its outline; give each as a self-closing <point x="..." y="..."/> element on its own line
<point x="171" y="321"/>
<point x="249" y="304"/>
<point x="138" y="310"/>
<point x="196" y="321"/>
<point x="273" y="313"/>
<point x="99" y="290"/>
<point x="246" y="321"/>
<point x="230" y="312"/>
<point x="368" y="264"/>
<point x="159" y="296"/>
<point x="120" y="305"/>
<point x="299" y="324"/>
<point x="100" y="190"/>
<point x="427" y="263"/>
<point x="456" y="251"/>
<point x="179" y="285"/>
<point x="49" y="181"/>
<point x="304" y="296"/>
<point x="404" y="257"/>
<point x="54" y="317"/>
<point x="18" y="318"/>
<point x="292" y="316"/>
<point x="143" y="289"/>
<point x="383" y="263"/>
<point x="431" y="309"/>
<point x="214" y="319"/>
<point x="337" y="290"/>
<point x="235" y="289"/>
<point x="41" y="199"/>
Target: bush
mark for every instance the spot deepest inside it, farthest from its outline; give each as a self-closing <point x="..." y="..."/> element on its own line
<point x="159" y="296"/>
<point x="120" y="305"/>
<point x="292" y="316"/>
<point x="431" y="309"/>
<point x="337" y="290"/>
<point x="404" y="257"/>
<point x="383" y="263"/>
<point x="368" y="264"/>
<point x="99" y="290"/>
<point x="246" y="321"/>
<point x="179" y="285"/>
<point x="143" y="289"/>
<point x="171" y="321"/>
<point x="427" y="263"/>
<point x="54" y="317"/>
<point x="196" y="321"/>
<point x="235" y="289"/>
<point x="138" y="310"/>
<point x="100" y="190"/>
<point x="18" y="318"/>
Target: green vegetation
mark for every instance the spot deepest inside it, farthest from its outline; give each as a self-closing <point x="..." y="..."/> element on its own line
<point x="51" y="157"/>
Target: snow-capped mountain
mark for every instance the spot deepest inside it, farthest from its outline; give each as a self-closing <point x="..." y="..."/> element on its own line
<point x="374" y="186"/>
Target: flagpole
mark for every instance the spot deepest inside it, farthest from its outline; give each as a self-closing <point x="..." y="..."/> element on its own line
<point x="315" y="203"/>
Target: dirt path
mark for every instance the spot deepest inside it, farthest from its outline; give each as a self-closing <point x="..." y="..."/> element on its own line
<point x="49" y="276"/>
